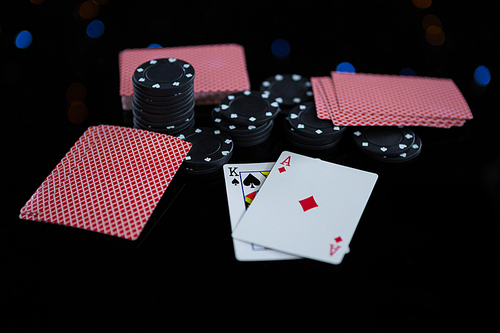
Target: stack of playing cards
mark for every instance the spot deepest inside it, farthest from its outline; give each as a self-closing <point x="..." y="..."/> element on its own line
<point x="297" y="207"/>
<point x="220" y="69"/>
<point x="357" y="99"/>
<point x="109" y="182"/>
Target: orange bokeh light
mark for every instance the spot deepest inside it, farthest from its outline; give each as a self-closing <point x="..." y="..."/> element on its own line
<point x="422" y="4"/>
<point x="430" y="20"/>
<point x="88" y="9"/>
<point x="434" y="35"/>
<point x="77" y="112"/>
<point x="76" y="93"/>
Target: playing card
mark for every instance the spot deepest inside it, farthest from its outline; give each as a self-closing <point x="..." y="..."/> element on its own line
<point x="394" y="100"/>
<point x="308" y="208"/>
<point x="323" y="109"/>
<point x="220" y="69"/>
<point x="357" y="99"/>
<point x="243" y="181"/>
<point x="110" y="181"/>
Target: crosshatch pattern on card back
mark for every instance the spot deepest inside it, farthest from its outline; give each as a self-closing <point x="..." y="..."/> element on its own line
<point x="113" y="186"/>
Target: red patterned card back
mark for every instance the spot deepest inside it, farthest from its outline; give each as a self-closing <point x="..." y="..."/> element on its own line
<point x="394" y="95"/>
<point x="109" y="182"/>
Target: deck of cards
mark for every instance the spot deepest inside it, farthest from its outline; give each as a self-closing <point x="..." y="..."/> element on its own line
<point x="297" y="207"/>
<point x="363" y="99"/>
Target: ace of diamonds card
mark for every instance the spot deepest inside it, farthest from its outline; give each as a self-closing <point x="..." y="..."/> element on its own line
<point x="308" y="208"/>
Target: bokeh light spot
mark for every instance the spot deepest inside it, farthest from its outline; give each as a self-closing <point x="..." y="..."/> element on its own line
<point x="23" y="39"/>
<point x="422" y="4"/>
<point x="482" y="76"/>
<point x="345" y="67"/>
<point x="77" y="112"/>
<point x="154" y="46"/>
<point x="95" y="29"/>
<point x="430" y="20"/>
<point x="434" y="35"/>
<point x="407" y="71"/>
<point x="280" y="48"/>
<point x="88" y="9"/>
<point x="76" y="93"/>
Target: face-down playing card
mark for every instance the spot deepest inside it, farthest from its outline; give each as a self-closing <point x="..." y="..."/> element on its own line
<point x="308" y="208"/>
<point x="243" y="182"/>
<point x="109" y="182"/>
<point x="359" y="99"/>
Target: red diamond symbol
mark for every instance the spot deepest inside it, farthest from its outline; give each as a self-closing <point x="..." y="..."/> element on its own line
<point x="282" y="169"/>
<point x="338" y="239"/>
<point x="308" y="203"/>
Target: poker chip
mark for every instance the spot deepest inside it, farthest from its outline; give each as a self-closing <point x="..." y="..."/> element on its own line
<point x="211" y="149"/>
<point x="406" y="156"/>
<point x="165" y="129"/>
<point x="388" y="144"/>
<point x="248" y="108"/>
<point x="163" y="76"/>
<point x="288" y="90"/>
<point x="243" y="135"/>
<point x="303" y="118"/>
<point x="384" y="140"/>
<point x="247" y="116"/>
<point x="163" y="97"/>
<point x="305" y="130"/>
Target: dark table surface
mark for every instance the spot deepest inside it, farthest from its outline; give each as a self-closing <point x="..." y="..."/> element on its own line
<point x="425" y="253"/>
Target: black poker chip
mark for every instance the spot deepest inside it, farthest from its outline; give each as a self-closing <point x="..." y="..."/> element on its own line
<point x="248" y="108"/>
<point x="165" y="129"/>
<point x="243" y="135"/>
<point x="384" y="140"/>
<point x="163" y="98"/>
<point x="409" y="155"/>
<point x="388" y="144"/>
<point x="288" y="89"/>
<point x="305" y="130"/>
<point x="161" y="118"/>
<point x="163" y="76"/>
<point x="211" y="149"/>
<point x="297" y="139"/>
<point x="168" y="123"/>
<point x="303" y="119"/>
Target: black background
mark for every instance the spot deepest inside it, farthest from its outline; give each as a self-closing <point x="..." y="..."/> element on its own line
<point x="425" y="253"/>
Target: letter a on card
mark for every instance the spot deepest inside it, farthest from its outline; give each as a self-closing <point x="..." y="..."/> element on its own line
<point x="286" y="162"/>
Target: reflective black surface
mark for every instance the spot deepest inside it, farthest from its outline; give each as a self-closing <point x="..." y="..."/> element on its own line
<point x="425" y="253"/>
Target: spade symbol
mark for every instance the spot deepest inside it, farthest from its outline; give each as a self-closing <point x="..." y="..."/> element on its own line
<point x="235" y="182"/>
<point x="251" y="181"/>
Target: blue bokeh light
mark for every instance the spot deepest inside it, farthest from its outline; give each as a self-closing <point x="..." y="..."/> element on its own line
<point x="24" y="39"/>
<point x="95" y="29"/>
<point x="408" y="71"/>
<point x="482" y="75"/>
<point x="280" y="48"/>
<point x="154" y="46"/>
<point x="345" y="67"/>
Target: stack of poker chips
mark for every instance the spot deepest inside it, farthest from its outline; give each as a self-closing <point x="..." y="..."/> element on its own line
<point x="388" y="143"/>
<point x="211" y="149"/>
<point x="305" y="130"/>
<point x="247" y="116"/>
<point x="163" y="99"/>
<point x="289" y="90"/>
